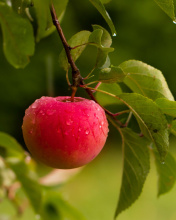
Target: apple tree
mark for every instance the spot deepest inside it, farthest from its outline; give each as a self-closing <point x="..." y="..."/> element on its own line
<point x="143" y="113"/>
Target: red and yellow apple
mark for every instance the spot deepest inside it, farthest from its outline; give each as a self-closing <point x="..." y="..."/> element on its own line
<point x="64" y="134"/>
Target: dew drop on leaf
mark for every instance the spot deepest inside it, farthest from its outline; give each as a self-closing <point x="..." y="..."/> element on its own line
<point x="174" y="21"/>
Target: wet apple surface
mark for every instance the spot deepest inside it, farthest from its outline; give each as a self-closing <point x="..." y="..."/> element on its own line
<point x="64" y="134"/>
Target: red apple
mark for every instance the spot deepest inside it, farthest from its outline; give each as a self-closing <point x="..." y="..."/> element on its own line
<point x="64" y="134"/>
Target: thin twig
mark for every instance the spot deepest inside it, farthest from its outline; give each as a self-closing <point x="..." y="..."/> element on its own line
<point x="96" y="87"/>
<point x="90" y="73"/>
<point x="67" y="78"/>
<point x="122" y="112"/>
<point x="128" y="119"/>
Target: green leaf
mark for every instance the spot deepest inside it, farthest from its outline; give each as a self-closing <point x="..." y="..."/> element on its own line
<point x="102" y="40"/>
<point x="100" y="7"/>
<point x="173" y="128"/>
<point x="111" y="75"/>
<point x="18" y="39"/>
<point x="167" y="6"/>
<point x="151" y="120"/>
<point x="55" y="208"/>
<point x="102" y="58"/>
<point x="95" y="37"/>
<point x="166" y="173"/>
<point x="106" y="39"/>
<point x="11" y="146"/>
<point x="167" y="107"/>
<point x="104" y="99"/>
<point x="28" y="181"/>
<point x="42" y="12"/>
<point x="135" y="168"/>
<point x="105" y="1"/>
<point x="80" y="39"/>
<point x="44" y="20"/>
<point x="145" y="80"/>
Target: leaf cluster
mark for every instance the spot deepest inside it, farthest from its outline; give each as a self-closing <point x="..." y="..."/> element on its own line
<point x="148" y="100"/>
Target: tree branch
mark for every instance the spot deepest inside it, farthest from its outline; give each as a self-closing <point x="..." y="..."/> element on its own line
<point x="77" y="79"/>
<point x="76" y="76"/>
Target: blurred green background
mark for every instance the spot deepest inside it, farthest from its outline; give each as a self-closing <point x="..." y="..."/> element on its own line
<point x="144" y="32"/>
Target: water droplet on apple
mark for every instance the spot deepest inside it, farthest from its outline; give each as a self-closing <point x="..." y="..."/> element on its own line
<point x="79" y="129"/>
<point x="69" y="122"/>
<point x="34" y="105"/>
<point x="100" y="126"/>
<point x="87" y="132"/>
<point x="41" y="112"/>
<point x="50" y="112"/>
<point x="95" y="115"/>
<point x="163" y="162"/>
<point x="66" y="132"/>
<point x="102" y="122"/>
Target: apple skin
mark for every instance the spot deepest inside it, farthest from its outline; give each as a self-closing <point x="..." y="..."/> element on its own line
<point x="64" y="134"/>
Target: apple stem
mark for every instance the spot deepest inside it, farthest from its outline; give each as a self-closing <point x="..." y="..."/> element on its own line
<point x="74" y="89"/>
